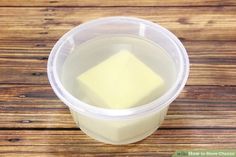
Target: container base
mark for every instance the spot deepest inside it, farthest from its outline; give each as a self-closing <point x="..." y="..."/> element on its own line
<point x="107" y="141"/>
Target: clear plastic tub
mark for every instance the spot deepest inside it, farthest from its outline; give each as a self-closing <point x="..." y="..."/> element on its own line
<point x="118" y="126"/>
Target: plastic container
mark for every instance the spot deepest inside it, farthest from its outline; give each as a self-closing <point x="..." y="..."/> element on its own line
<point x="121" y="126"/>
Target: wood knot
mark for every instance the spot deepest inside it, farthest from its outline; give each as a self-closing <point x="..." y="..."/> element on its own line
<point x="210" y="22"/>
<point x="184" y="21"/>
<point x="40" y="45"/>
<point x="43" y="32"/>
<point x="26" y="121"/>
<point x="53" y="1"/>
<point x="22" y="96"/>
<point x="181" y="38"/>
<point x="14" y="140"/>
<point x="43" y="58"/>
<point x="37" y="73"/>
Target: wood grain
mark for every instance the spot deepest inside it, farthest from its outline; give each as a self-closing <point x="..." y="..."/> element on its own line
<point x="49" y="23"/>
<point x="34" y="122"/>
<point x="198" y="51"/>
<point x="36" y="106"/>
<point x="34" y="72"/>
<point x="23" y="53"/>
<point x="62" y="143"/>
<point x="212" y="62"/>
<point x="115" y="3"/>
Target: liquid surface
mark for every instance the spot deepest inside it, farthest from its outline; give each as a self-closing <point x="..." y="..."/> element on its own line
<point x="99" y="49"/>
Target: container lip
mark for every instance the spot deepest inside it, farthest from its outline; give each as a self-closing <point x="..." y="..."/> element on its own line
<point x="104" y="113"/>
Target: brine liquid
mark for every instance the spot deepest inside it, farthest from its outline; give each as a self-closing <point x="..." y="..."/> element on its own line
<point x="96" y="50"/>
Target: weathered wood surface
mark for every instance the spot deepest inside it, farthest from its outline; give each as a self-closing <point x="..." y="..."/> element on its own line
<point x="49" y="23"/>
<point x="208" y="32"/>
<point x="74" y="143"/>
<point x="36" y="106"/>
<point x="212" y="62"/>
<point x="34" y="122"/>
<point x="81" y="3"/>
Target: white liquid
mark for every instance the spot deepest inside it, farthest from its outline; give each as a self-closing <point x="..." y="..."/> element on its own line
<point x="96" y="50"/>
<point x="92" y="52"/>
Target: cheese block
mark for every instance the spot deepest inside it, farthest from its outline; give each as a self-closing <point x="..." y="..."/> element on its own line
<point x="119" y="82"/>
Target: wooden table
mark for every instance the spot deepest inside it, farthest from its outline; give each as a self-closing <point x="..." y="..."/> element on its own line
<point x="34" y="122"/>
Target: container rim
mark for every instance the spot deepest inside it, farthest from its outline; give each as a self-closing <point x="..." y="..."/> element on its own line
<point x="105" y="113"/>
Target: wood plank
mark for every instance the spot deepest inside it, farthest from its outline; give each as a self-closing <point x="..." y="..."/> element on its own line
<point x="73" y="142"/>
<point x="32" y="107"/>
<point x="212" y="74"/>
<point x="198" y="51"/>
<point x="34" y="72"/>
<point x="212" y="62"/>
<point x="194" y="23"/>
<point x="36" y="106"/>
<point x="25" y="75"/>
<point x="211" y="52"/>
<point x="116" y="3"/>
